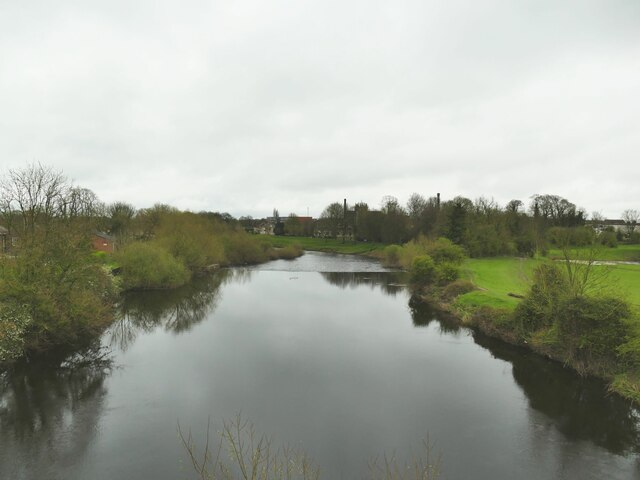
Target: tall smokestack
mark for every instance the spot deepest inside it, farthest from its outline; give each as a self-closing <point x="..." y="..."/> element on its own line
<point x="438" y="200"/>
<point x="344" y="221"/>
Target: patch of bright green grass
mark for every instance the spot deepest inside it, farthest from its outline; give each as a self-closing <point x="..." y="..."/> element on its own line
<point x="621" y="253"/>
<point x="325" y="244"/>
<point x="626" y="278"/>
<point x="495" y="278"/>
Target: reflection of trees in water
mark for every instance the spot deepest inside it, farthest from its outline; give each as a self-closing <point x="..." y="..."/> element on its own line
<point x="389" y="282"/>
<point x="423" y="313"/>
<point x="174" y="310"/>
<point x="49" y="410"/>
<point x="580" y="407"/>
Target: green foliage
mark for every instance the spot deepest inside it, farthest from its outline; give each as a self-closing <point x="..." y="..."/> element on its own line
<point x="189" y="238"/>
<point x="423" y="270"/>
<point x="243" y="249"/>
<point x="540" y="308"/>
<point x="14" y="323"/>
<point x="457" y="288"/>
<point x="592" y="329"/>
<point x="288" y="253"/>
<point x="608" y="239"/>
<point x="391" y="256"/>
<point x="324" y="244"/>
<point x="447" y="272"/>
<point x="443" y="250"/>
<point x="588" y="331"/>
<point x="571" y="237"/>
<point x="64" y="289"/>
<point x="147" y="266"/>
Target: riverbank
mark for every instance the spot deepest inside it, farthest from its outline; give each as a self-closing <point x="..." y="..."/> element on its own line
<point x="493" y="289"/>
<point x="328" y="245"/>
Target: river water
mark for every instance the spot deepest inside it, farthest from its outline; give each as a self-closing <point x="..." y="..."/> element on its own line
<point x="325" y="352"/>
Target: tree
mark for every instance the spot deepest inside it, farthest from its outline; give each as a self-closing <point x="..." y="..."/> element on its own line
<point x="416" y="207"/>
<point x="457" y="219"/>
<point x="630" y="217"/>
<point x="293" y="226"/>
<point x="120" y="216"/>
<point x="394" y="225"/>
<point x="332" y="218"/>
<point x="35" y="195"/>
<point x="53" y="277"/>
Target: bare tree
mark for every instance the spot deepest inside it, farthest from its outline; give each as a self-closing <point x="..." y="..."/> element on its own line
<point x="35" y="194"/>
<point x="631" y="217"/>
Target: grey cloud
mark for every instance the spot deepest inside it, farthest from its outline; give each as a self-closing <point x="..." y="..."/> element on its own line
<point x="246" y="106"/>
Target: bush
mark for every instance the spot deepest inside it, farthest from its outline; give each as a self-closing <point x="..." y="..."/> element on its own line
<point x="444" y="251"/>
<point x="608" y="239"/>
<point x="541" y="306"/>
<point x="593" y="329"/>
<point x="391" y="256"/>
<point x="423" y="270"/>
<point x="447" y="272"/>
<point x="457" y="288"/>
<point x="147" y="266"/>
<point x="289" y="252"/>
<point x="14" y="322"/>
<point x="242" y="249"/>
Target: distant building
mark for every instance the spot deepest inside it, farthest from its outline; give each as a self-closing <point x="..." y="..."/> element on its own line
<point x="103" y="242"/>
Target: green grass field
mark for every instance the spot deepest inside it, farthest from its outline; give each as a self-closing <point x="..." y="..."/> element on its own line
<point x="496" y="277"/>
<point x="621" y="253"/>
<point x="325" y="244"/>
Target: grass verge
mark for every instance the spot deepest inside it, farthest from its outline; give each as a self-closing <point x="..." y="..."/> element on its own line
<point x="331" y="245"/>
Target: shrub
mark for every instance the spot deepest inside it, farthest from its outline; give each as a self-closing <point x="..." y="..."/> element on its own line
<point x="391" y="256"/>
<point x="289" y="252"/>
<point x="148" y="266"/>
<point x="608" y="239"/>
<point x="593" y="329"/>
<point x="541" y="306"/>
<point x="447" y="272"/>
<point x="443" y="250"/>
<point x="14" y="322"/>
<point x="423" y="270"/>
<point x="457" y="288"/>
<point x="242" y="249"/>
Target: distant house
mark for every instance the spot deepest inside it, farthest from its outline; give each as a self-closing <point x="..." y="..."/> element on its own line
<point x="617" y="225"/>
<point x="103" y="242"/>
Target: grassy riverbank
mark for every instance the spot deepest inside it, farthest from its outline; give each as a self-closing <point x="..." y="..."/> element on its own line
<point x="330" y="245"/>
<point x="621" y="253"/>
<point x="495" y="278"/>
<point x="496" y="307"/>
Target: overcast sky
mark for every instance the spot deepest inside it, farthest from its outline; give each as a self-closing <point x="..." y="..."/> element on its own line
<point x="243" y="106"/>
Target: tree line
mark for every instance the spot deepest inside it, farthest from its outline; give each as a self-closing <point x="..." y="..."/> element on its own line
<point x="482" y="226"/>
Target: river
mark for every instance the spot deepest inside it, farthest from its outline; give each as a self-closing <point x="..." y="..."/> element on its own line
<point x="325" y="352"/>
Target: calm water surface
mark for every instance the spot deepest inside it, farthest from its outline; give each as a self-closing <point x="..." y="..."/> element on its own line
<point x="327" y="352"/>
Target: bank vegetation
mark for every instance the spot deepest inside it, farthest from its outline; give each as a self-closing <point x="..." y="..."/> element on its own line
<point x="57" y="290"/>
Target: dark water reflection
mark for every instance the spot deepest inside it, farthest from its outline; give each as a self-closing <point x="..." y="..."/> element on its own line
<point x="175" y="311"/>
<point x="576" y="406"/>
<point x="49" y="408"/>
<point x="390" y="283"/>
<point x="348" y="373"/>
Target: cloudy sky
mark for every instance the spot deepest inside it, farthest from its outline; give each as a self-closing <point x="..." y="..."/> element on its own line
<point x="243" y="106"/>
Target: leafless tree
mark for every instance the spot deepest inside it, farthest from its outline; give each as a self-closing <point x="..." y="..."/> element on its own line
<point x="631" y="217"/>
